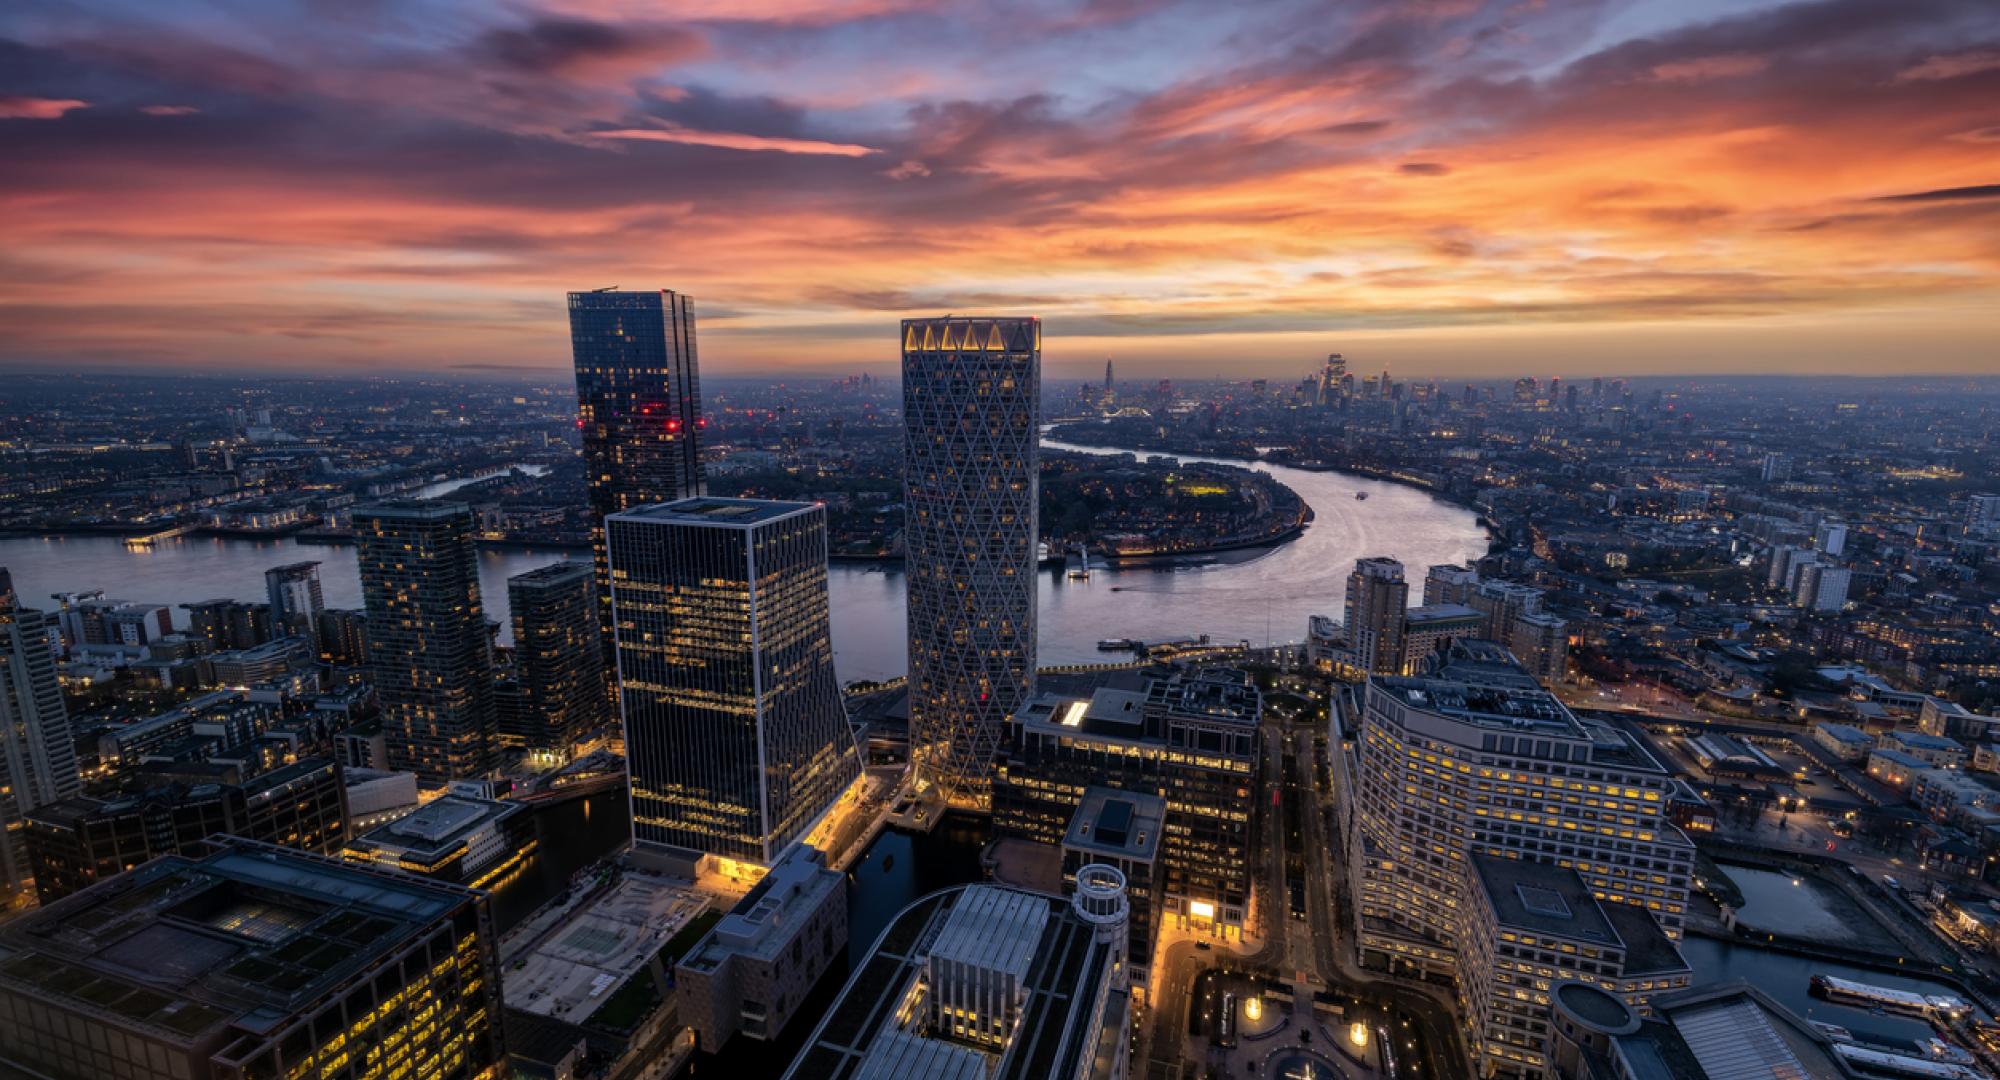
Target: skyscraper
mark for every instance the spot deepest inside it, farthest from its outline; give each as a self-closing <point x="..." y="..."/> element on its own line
<point x="1377" y="600"/>
<point x="638" y="397"/>
<point x="428" y="650"/>
<point x="556" y="654"/>
<point x="37" y="758"/>
<point x="296" y="600"/>
<point x="735" y="733"/>
<point x="971" y="399"/>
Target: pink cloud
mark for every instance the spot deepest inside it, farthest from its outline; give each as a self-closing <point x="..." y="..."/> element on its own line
<point x="37" y="108"/>
<point x="168" y="110"/>
<point x="1951" y="66"/>
<point x="1704" y="68"/>
<point x="736" y="140"/>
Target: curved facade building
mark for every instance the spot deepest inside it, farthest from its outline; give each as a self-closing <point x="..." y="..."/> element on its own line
<point x="971" y="403"/>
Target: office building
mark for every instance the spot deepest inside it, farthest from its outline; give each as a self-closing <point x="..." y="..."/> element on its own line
<point x="1377" y="600"/>
<point x="558" y="660"/>
<point x="638" y="397"/>
<point x="79" y="841"/>
<point x="252" y="961"/>
<point x="971" y="495"/>
<point x="756" y="967"/>
<point x="343" y="637"/>
<point x="1475" y="758"/>
<point x="1830" y="538"/>
<point x="1123" y="830"/>
<point x="293" y="592"/>
<point x="1777" y="469"/>
<point x="37" y="755"/>
<point x="1191" y="738"/>
<point x="455" y="839"/>
<point x="997" y="984"/>
<point x="735" y="732"/>
<point x="430" y="658"/>
<point x="1528" y="924"/>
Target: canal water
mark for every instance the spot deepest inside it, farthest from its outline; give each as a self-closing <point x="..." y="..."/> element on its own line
<point x="1803" y="907"/>
<point x="1787" y="978"/>
<point x="569" y="836"/>
<point x="1260" y="595"/>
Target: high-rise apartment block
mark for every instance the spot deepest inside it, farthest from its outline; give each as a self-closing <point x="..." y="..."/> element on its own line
<point x="735" y="732"/>
<point x="430" y="658"/>
<point x="296" y="600"/>
<point x="971" y="400"/>
<point x="37" y="754"/>
<point x="1982" y="513"/>
<point x="253" y="961"/>
<point x="558" y="658"/>
<point x="638" y="395"/>
<point x="1378" y="601"/>
<point x="1474" y="758"/>
<point x="1449" y="583"/>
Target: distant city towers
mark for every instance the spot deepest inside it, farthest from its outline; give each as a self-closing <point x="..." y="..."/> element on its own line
<point x="735" y="732"/>
<point x="37" y="751"/>
<point x="971" y="400"/>
<point x="638" y="395"/>
<point x="429" y="655"/>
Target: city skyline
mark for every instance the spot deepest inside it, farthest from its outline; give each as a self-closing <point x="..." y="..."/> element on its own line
<point x="1624" y="187"/>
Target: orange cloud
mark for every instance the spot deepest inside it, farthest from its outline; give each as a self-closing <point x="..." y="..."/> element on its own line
<point x="734" y="140"/>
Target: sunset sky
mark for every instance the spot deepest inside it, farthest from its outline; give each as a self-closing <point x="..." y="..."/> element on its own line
<point x="1445" y="187"/>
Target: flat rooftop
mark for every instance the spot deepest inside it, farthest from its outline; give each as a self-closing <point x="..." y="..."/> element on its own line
<point x="1542" y="898"/>
<point x="1127" y="824"/>
<point x="1107" y="711"/>
<point x="716" y="512"/>
<point x="1064" y="969"/>
<point x="244" y="936"/>
<point x="438" y="826"/>
<point x="766" y="919"/>
<point x="583" y="960"/>
<point x="1503" y="708"/>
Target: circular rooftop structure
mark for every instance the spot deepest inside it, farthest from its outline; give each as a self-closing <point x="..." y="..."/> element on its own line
<point x="1593" y="1009"/>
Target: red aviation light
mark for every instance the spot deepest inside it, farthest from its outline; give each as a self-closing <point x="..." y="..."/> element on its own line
<point x="673" y="424"/>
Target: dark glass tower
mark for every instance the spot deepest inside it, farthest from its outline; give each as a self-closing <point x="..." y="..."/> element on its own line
<point x="638" y="399"/>
<point x="971" y="399"/>
<point x="428" y="650"/>
<point x="556" y="654"/>
<point x="735" y="733"/>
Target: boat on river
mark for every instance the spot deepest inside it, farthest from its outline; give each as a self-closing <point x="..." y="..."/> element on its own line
<point x="1940" y="1007"/>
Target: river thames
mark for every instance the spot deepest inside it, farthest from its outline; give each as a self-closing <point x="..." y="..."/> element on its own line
<point x="1262" y="595"/>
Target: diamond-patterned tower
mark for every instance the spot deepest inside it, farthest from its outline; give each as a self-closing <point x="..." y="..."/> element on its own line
<point x="971" y="404"/>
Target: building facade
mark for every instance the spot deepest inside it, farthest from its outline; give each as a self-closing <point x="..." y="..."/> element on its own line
<point x="557" y="658"/>
<point x="735" y="732"/>
<point x="37" y="754"/>
<point x="638" y="397"/>
<point x="1474" y="758"/>
<point x="971" y="410"/>
<point x="252" y="962"/>
<point x="1192" y="739"/>
<point x="1377" y="600"/>
<point x="296" y="600"/>
<point x="82" y="840"/>
<point x="430" y="658"/>
<point x="758" y="965"/>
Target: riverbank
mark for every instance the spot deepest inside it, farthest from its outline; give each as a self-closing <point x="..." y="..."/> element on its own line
<point x="1386" y="476"/>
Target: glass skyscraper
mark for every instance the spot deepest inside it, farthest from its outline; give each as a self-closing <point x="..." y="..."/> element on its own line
<point x="971" y="397"/>
<point x="428" y="651"/>
<point x="296" y="600"/>
<point x="638" y="398"/>
<point x="736" y="736"/>
<point x="37" y="754"/>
